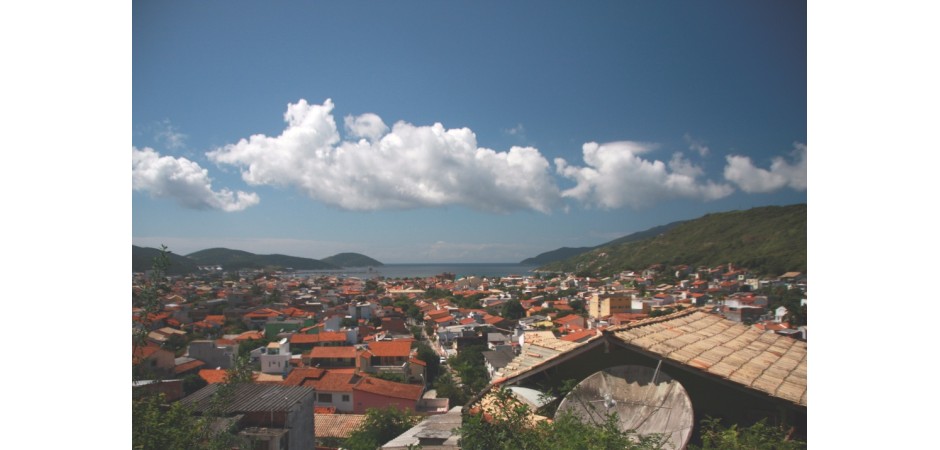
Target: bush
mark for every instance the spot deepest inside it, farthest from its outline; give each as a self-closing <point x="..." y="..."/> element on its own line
<point x="759" y="436"/>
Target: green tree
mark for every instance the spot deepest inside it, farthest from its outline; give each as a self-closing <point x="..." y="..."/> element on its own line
<point x="512" y="310"/>
<point x="759" y="436"/>
<point x="379" y="427"/>
<point x="446" y="387"/>
<point x="471" y="368"/>
<point x="158" y="426"/>
<point x="431" y="360"/>
<point x="193" y="383"/>
<point x="506" y="423"/>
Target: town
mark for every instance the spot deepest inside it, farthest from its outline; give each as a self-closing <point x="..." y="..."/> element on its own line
<point x="317" y="352"/>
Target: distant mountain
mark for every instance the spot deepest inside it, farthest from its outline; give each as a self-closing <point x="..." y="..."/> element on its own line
<point x="769" y="240"/>
<point x="352" y="260"/>
<point x="142" y="261"/>
<point x="238" y="259"/>
<point x="564" y="253"/>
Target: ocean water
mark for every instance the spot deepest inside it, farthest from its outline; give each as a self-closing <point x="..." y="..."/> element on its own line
<point x="429" y="270"/>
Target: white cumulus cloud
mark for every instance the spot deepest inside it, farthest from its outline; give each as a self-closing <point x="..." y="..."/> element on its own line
<point x="616" y="175"/>
<point x="368" y="125"/>
<point x="408" y="166"/>
<point x="751" y="179"/>
<point x="185" y="181"/>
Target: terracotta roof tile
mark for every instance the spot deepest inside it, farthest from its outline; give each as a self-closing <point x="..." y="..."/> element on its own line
<point x="387" y="388"/>
<point x="323" y="336"/>
<point x="763" y="361"/>
<point x="187" y="366"/>
<point x="578" y="335"/>
<point x="397" y="348"/>
<point x="333" y="352"/>
<point x="249" y="335"/>
<point x="335" y="382"/>
<point x="298" y="376"/>
<point x="337" y="425"/>
<point x="213" y="375"/>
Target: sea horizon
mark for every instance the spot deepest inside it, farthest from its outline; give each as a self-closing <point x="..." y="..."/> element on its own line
<point x="423" y="270"/>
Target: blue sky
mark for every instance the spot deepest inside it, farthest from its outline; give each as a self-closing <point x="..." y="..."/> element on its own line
<point x="458" y="131"/>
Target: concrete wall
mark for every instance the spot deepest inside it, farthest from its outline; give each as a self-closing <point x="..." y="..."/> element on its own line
<point x="213" y="355"/>
<point x="337" y="401"/>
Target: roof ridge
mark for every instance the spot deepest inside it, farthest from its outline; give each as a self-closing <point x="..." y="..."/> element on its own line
<point x="652" y="320"/>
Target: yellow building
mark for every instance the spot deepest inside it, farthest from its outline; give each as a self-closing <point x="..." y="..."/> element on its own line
<point x="603" y="305"/>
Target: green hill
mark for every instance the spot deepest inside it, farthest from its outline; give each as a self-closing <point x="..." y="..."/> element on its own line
<point x="238" y="259"/>
<point x="352" y="260"/>
<point x="559" y="254"/>
<point x="142" y="261"/>
<point x="564" y="253"/>
<point x="769" y="240"/>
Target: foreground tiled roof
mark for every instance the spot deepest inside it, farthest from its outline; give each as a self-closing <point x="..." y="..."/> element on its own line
<point x="337" y="425"/>
<point x="539" y="348"/>
<point x="763" y="361"/>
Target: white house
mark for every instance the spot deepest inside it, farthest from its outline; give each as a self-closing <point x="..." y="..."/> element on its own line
<point x="275" y="358"/>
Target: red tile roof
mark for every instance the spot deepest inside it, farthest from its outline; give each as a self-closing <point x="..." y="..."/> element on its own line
<point x="577" y="336"/>
<point x="333" y="352"/>
<point x="249" y="335"/>
<point x="568" y="318"/>
<point x="186" y="367"/>
<point x="295" y="312"/>
<point x="216" y="319"/>
<point x="297" y="377"/>
<point x="418" y="362"/>
<point x="335" y="382"/>
<point x="263" y="313"/>
<point x="213" y="375"/>
<point x="336" y="425"/>
<point x="387" y="388"/>
<point x="397" y="348"/>
<point x="141" y="353"/>
<point x="492" y="320"/>
<point x="324" y="336"/>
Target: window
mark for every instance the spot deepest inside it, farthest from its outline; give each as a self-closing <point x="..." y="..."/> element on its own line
<point x="325" y="398"/>
<point x="345" y="397"/>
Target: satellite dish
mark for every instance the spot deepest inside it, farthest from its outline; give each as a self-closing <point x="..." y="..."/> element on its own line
<point x="645" y="400"/>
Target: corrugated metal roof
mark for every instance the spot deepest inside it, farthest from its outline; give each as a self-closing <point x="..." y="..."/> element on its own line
<point x="760" y="360"/>
<point x="250" y="397"/>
